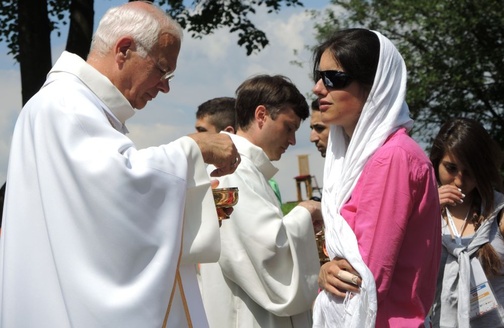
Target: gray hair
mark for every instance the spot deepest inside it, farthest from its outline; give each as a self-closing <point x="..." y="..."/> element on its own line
<point x="144" y="26"/>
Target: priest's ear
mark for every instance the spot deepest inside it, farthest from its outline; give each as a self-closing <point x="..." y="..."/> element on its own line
<point x="122" y="49"/>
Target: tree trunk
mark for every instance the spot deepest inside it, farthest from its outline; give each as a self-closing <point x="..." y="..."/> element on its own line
<point x="81" y="27"/>
<point x="34" y="45"/>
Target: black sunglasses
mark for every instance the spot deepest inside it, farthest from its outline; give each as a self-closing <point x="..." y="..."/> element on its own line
<point x="334" y="79"/>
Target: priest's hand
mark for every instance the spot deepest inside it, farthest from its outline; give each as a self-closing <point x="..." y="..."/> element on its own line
<point x="219" y="150"/>
<point x="315" y="211"/>
<point x="338" y="277"/>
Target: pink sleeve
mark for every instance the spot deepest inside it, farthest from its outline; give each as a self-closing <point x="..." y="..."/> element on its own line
<point x="379" y="211"/>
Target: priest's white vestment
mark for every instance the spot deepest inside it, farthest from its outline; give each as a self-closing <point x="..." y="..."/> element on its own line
<point x="93" y="227"/>
<point x="267" y="272"/>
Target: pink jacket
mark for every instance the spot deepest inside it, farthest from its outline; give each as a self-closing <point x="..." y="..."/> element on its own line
<point x="394" y="212"/>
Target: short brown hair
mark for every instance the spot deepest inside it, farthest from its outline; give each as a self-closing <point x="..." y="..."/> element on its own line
<point x="276" y="93"/>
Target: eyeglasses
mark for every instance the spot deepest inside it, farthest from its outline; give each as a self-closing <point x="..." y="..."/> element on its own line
<point x="334" y="79"/>
<point x="165" y="75"/>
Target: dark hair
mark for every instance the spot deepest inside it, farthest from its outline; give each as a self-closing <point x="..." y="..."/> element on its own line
<point x="276" y="93"/>
<point x="221" y="112"/>
<point x="315" y="105"/>
<point x="356" y="50"/>
<point x="470" y="143"/>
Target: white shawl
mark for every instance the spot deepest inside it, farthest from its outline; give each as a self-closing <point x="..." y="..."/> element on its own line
<point x="384" y="112"/>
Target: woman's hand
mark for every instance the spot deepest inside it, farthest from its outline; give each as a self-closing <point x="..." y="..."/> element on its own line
<point x="338" y="277"/>
<point x="450" y="195"/>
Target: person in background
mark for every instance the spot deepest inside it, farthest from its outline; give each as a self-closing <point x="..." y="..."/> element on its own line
<point x="215" y="115"/>
<point x="218" y="114"/>
<point x="470" y="285"/>
<point x="319" y="135"/>
<point x="267" y="272"/>
<point x="319" y="130"/>
<point x="380" y="199"/>
<point x="97" y="233"/>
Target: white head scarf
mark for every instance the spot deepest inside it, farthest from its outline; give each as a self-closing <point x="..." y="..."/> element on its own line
<point x="384" y="112"/>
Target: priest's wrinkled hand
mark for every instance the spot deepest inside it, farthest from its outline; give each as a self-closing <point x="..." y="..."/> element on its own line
<point x="219" y="150"/>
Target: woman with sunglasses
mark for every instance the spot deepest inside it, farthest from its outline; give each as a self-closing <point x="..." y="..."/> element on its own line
<point x="470" y="286"/>
<point x="380" y="201"/>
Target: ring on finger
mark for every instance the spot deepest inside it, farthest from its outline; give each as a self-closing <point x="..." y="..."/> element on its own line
<point x="348" y="277"/>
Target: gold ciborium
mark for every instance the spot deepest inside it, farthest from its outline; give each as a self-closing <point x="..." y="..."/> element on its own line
<point x="224" y="198"/>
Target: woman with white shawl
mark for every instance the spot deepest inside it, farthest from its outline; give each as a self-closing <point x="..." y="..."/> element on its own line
<point x="380" y="200"/>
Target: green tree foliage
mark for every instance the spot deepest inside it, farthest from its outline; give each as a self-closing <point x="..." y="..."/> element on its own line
<point x="201" y="18"/>
<point x="54" y="11"/>
<point x="204" y="17"/>
<point x="453" y="49"/>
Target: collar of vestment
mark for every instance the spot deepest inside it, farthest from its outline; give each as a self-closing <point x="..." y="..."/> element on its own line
<point x="255" y="154"/>
<point x="116" y="104"/>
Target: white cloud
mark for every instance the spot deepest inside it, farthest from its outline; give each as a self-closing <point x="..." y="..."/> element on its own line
<point x="207" y="68"/>
<point x="214" y="47"/>
<point x="291" y="33"/>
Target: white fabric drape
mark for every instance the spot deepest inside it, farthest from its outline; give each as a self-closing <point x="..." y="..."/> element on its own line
<point x="384" y="112"/>
<point x="92" y="226"/>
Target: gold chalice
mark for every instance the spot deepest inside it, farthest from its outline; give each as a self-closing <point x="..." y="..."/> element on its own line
<point x="224" y="198"/>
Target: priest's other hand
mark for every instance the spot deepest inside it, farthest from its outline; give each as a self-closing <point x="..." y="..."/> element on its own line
<point x="316" y="213"/>
<point x="218" y="150"/>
